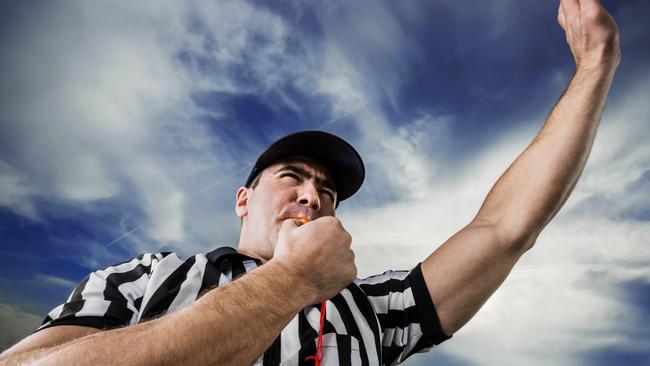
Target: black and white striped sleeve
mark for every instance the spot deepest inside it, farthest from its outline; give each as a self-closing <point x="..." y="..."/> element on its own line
<point x="407" y="316"/>
<point x="106" y="298"/>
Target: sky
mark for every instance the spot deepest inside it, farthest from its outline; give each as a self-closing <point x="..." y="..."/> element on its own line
<point x="126" y="127"/>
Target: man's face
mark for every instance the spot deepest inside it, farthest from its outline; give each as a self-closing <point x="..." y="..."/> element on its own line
<point x="290" y="189"/>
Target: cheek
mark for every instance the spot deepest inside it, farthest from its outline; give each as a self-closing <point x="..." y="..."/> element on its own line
<point x="328" y="209"/>
<point x="265" y="207"/>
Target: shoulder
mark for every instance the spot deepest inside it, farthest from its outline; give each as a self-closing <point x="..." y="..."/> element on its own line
<point x="144" y="259"/>
<point x="386" y="280"/>
<point x="143" y="263"/>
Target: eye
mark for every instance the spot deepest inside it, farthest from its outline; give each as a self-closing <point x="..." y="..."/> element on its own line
<point x="328" y="193"/>
<point x="290" y="175"/>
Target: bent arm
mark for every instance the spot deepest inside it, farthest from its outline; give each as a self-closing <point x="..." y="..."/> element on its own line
<point x="534" y="188"/>
<point x="222" y="327"/>
<point x="464" y="272"/>
<point x="538" y="183"/>
<point x="475" y="261"/>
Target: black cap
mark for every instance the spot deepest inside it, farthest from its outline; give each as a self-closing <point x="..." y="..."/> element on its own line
<point x="342" y="160"/>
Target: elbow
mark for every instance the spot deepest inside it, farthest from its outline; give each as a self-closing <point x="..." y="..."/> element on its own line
<point x="518" y="240"/>
<point x="525" y="244"/>
<point x="510" y="237"/>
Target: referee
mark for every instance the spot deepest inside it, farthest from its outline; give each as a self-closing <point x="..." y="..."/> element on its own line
<point x="289" y="294"/>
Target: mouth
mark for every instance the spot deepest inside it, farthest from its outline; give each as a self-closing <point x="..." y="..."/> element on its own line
<point x="298" y="213"/>
<point x="302" y="220"/>
<point x="299" y="220"/>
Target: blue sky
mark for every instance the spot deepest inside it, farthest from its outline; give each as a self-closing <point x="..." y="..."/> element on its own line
<point x="145" y="118"/>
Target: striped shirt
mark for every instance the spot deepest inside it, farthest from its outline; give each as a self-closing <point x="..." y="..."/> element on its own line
<point x="382" y="319"/>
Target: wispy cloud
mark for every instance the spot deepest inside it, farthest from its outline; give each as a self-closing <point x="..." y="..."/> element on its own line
<point x="56" y="281"/>
<point x="125" y="127"/>
<point x="15" y="192"/>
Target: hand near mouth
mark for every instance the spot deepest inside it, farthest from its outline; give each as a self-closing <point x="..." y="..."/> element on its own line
<point x="318" y="254"/>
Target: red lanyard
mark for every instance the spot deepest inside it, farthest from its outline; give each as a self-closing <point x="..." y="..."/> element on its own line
<point x="318" y="357"/>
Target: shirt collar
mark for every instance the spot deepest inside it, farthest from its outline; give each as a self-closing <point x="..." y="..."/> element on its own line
<point x="219" y="255"/>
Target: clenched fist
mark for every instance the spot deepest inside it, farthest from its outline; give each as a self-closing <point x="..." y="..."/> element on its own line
<point x="591" y="33"/>
<point x="319" y="254"/>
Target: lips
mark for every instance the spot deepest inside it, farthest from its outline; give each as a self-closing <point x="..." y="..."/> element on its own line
<point x="298" y="213"/>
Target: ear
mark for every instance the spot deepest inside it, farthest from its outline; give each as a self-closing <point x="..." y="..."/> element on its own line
<point x="241" y="206"/>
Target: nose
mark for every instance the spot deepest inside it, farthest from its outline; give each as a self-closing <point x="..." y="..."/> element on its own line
<point x="308" y="196"/>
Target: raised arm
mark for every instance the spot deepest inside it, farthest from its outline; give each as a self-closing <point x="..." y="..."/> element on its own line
<point x="230" y="325"/>
<point x="463" y="272"/>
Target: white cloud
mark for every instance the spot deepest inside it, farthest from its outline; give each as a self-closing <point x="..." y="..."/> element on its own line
<point x="115" y="119"/>
<point x="15" y="192"/>
<point x="56" y="281"/>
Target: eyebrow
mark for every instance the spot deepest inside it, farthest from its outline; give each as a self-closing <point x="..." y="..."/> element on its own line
<point x="300" y="171"/>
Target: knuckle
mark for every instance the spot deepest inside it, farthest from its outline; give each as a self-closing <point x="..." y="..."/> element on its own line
<point x="330" y="219"/>
<point x="348" y="238"/>
<point x="335" y="221"/>
<point x="593" y="12"/>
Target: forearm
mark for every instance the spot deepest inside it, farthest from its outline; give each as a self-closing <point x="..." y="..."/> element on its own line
<point x="232" y="325"/>
<point x="532" y="190"/>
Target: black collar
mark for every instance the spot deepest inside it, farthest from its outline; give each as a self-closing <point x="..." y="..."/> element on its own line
<point x="219" y="255"/>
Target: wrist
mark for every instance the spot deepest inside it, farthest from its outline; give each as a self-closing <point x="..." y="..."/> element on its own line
<point x="298" y="289"/>
<point x="595" y="73"/>
<point x="594" y="70"/>
<point x="605" y="64"/>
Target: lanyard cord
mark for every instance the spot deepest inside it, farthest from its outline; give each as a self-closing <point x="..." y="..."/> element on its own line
<point x="318" y="357"/>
